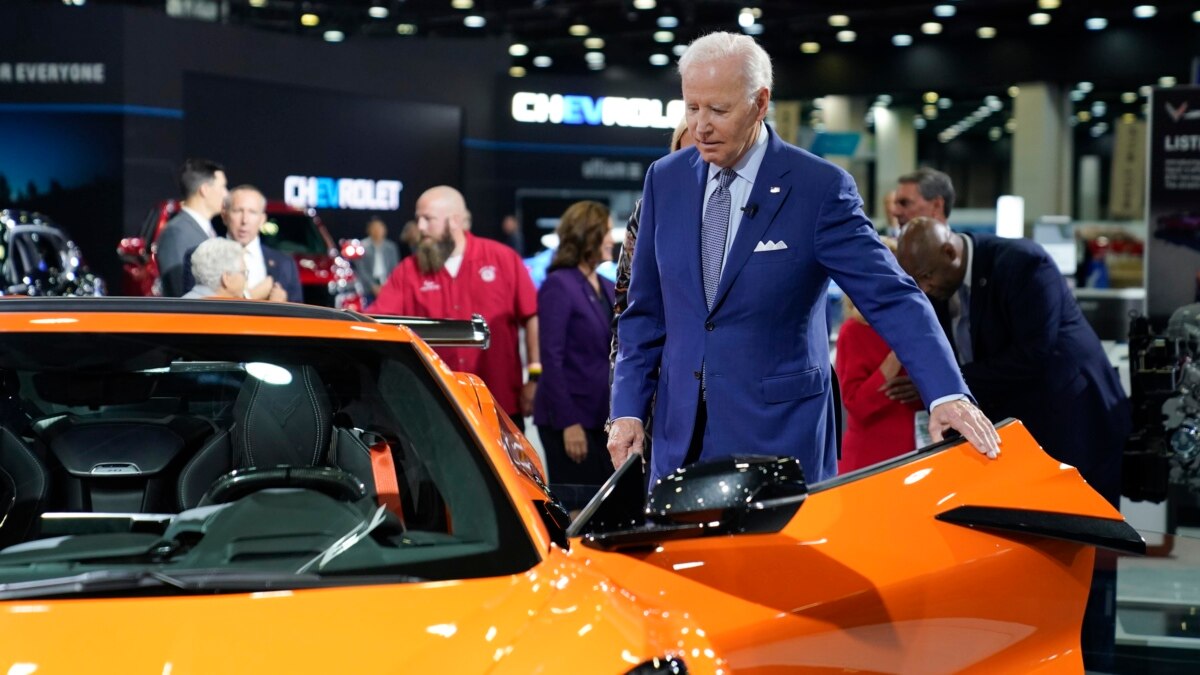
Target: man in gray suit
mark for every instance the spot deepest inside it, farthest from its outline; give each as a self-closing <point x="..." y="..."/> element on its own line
<point x="381" y="256"/>
<point x="202" y="185"/>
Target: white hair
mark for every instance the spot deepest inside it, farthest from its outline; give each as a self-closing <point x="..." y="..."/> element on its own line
<point x="214" y="258"/>
<point x="756" y="65"/>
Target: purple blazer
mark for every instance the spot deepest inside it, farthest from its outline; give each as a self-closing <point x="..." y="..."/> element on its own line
<point x="575" y="335"/>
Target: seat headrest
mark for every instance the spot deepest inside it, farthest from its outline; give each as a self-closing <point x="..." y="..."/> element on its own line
<point x="282" y="423"/>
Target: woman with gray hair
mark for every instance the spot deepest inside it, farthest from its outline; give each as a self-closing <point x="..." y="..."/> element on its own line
<point x="219" y="267"/>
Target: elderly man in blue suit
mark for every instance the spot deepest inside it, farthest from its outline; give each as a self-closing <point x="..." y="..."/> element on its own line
<point x="739" y="238"/>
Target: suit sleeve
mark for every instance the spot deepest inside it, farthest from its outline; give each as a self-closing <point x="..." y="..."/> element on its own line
<point x="189" y="279"/>
<point x="554" y="317"/>
<point x="847" y="246"/>
<point x="290" y="272"/>
<point x="1032" y="296"/>
<point x="641" y="329"/>
<point x="858" y="376"/>
<point x="169" y="256"/>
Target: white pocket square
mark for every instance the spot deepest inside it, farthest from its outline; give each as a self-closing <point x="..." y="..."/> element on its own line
<point x="770" y="246"/>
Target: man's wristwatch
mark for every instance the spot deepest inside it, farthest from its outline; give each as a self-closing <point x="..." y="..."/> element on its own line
<point x="535" y="371"/>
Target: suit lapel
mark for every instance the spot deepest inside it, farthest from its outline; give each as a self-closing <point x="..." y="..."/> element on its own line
<point x="981" y="272"/>
<point x="591" y="299"/>
<point x="768" y="194"/>
<point x="689" y="237"/>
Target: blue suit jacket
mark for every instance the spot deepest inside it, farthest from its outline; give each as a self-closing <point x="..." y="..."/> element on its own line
<point x="281" y="266"/>
<point x="575" y="335"/>
<point x="1036" y="358"/>
<point x="765" y="344"/>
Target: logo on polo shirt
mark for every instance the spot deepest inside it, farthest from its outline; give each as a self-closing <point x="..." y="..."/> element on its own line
<point x="487" y="273"/>
<point x="430" y="285"/>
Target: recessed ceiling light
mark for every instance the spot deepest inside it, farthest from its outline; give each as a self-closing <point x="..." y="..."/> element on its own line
<point x="994" y="104"/>
<point x="1099" y="108"/>
<point x="667" y="22"/>
<point x="944" y="11"/>
<point x="644" y="4"/>
<point x="919" y="123"/>
<point x="309" y="19"/>
<point x="516" y="71"/>
<point x="474" y="21"/>
<point x="1144" y="91"/>
<point x="846" y="36"/>
<point x="810" y="47"/>
<point x="1196" y="16"/>
<point x="1039" y="19"/>
<point x="1085" y="86"/>
<point x="902" y="40"/>
<point x="753" y="29"/>
<point x="839" y="20"/>
<point x="884" y="99"/>
<point x="678" y="50"/>
<point x="745" y="18"/>
<point x="406" y="28"/>
<point x="664" y="36"/>
<point x="579" y="30"/>
<point x="930" y="97"/>
<point x="1013" y="91"/>
<point x="594" y="57"/>
<point x="518" y="49"/>
<point x="1128" y="118"/>
<point x="258" y="3"/>
<point x="1145" y="11"/>
<point x="376" y="11"/>
<point x="1011" y="125"/>
<point x="1084" y="115"/>
<point x="1077" y="95"/>
<point x="1129" y="97"/>
<point x="995" y="133"/>
<point x="1096" y="23"/>
<point x="543" y="61"/>
<point x="334" y="36"/>
<point x="1049" y="4"/>
<point x="1166" y="81"/>
<point x="596" y="66"/>
<point x="462" y="4"/>
<point x="944" y="103"/>
<point x="930" y="112"/>
<point x="931" y="28"/>
<point x="986" y="32"/>
<point x="659" y="59"/>
<point x="594" y="43"/>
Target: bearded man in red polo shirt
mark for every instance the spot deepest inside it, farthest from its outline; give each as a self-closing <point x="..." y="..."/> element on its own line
<point x="453" y="275"/>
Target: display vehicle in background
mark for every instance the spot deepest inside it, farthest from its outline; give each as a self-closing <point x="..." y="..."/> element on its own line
<point x="208" y="486"/>
<point x="326" y="270"/>
<point x="37" y="257"/>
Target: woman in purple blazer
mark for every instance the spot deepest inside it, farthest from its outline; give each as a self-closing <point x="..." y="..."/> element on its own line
<point x="575" y="315"/>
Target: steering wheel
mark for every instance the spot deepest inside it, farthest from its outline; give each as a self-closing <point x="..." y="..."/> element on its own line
<point x="324" y="479"/>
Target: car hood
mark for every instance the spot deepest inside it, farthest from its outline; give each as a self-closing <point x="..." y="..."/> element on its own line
<point x="558" y="617"/>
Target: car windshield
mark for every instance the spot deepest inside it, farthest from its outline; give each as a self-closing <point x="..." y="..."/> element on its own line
<point x="135" y="463"/>
<point x="293" y="233"/>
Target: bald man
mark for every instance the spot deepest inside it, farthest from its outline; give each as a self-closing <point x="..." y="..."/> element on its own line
<point x="452" y="275"/>
<point x="1024" y="347"/>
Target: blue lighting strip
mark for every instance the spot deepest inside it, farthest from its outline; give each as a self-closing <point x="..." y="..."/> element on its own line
<point x="564" y="148"/>
<point x="94" y="109"/>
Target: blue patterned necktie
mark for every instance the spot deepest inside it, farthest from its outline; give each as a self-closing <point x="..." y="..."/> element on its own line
<point x="713" y="232"/>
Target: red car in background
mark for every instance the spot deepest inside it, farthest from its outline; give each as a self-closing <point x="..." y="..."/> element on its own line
<point x="326" y="273"/>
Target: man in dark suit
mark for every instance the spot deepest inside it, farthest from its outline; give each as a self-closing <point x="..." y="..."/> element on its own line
<point x="203" y="190"/>
<point x="1025" y="348"/>
<point x="270" y="274"/>
<point x="726" y="318"/>
<point x="380" y="257"/>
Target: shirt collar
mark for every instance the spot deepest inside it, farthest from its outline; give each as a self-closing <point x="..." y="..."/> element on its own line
<point x="255" y="247"/>
<point x="747" y="166"/>
<point x="204" y="224"/>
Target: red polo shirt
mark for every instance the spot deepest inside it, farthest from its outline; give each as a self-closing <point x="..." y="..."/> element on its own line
<point x="492" y="282"/>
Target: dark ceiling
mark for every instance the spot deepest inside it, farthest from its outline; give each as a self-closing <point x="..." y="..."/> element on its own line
<point x="617" y="38"/>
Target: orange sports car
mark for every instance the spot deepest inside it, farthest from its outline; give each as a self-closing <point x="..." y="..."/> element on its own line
<point x="233" y="487"/>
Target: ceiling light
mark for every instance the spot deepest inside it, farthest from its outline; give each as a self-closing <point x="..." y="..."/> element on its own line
<point x="462" y="4"/>
<point x="930" y="112"/>
<point x="810" y="47"/>
<point x="258" y="3"/>
<point x="1049" y="4"/>
<point x="1099" y="109"/>
<point x="1013" y="91"/>
<point x="986" y="32"/>
<point x="756" y="12"/>
<point x="1145" y="11"/>
<point x="664" y="36"/>
<point x="1085" y="86"/>
<point x="995" y="133"/>
<point x="406" y="28"/>
<point x="334" y="36"/>
<point x="745" y="18"/>
<point x="594" y="57"/>
<point x="1077" y="95"/>
<point x="839" y="20"/>
<point x="931" y="28"/>
<point x="1144" y="91"/>
<point x="667" y="22"/>
<point x="516" y="71"/>
<point x="659" y="59"/>
<point x="919" y="123"/>
<point x="902" y="40"/>
<point x="846" y="35"/>
<point x="1129" y="97"/>
<point x="596" y="66"/>
<point x="1196" y="16"/>
<point x="309" y="19"/>
<point x="518" y="49"/>
<point x="930" y="97"/>
<point x="1039" y="19"/>
<point x="474" y="21"/>
<point x="542" y="61"/>
<point x="944" y="11"/>
<point x="579" y="30"/>
<point x="1096" y="23"/>
<point x="376" y="11"/>
<point x="1098" y="130"/>
<point x="944" y="103"/>
<point x="1011" y="125"/>
<point x="1084" y="115"/>
<point x="753" y="29"/>
<point x="1128" y="118"/>
<point x="1166" y="81"/>
<point x="644" y="4"/>
<point x="594" y="43"/>
<point x="884" y="99"/>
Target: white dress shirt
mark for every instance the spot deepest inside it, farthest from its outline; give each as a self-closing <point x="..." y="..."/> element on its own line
<point x="256" y="265"/>
<point x="739" y="190"/>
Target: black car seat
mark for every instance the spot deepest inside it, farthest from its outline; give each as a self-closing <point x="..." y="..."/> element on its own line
<point x="273" y="424"/>
<point x="24" y="489"/>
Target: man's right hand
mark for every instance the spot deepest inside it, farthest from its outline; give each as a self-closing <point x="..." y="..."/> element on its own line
<point x="625" y="437"/>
